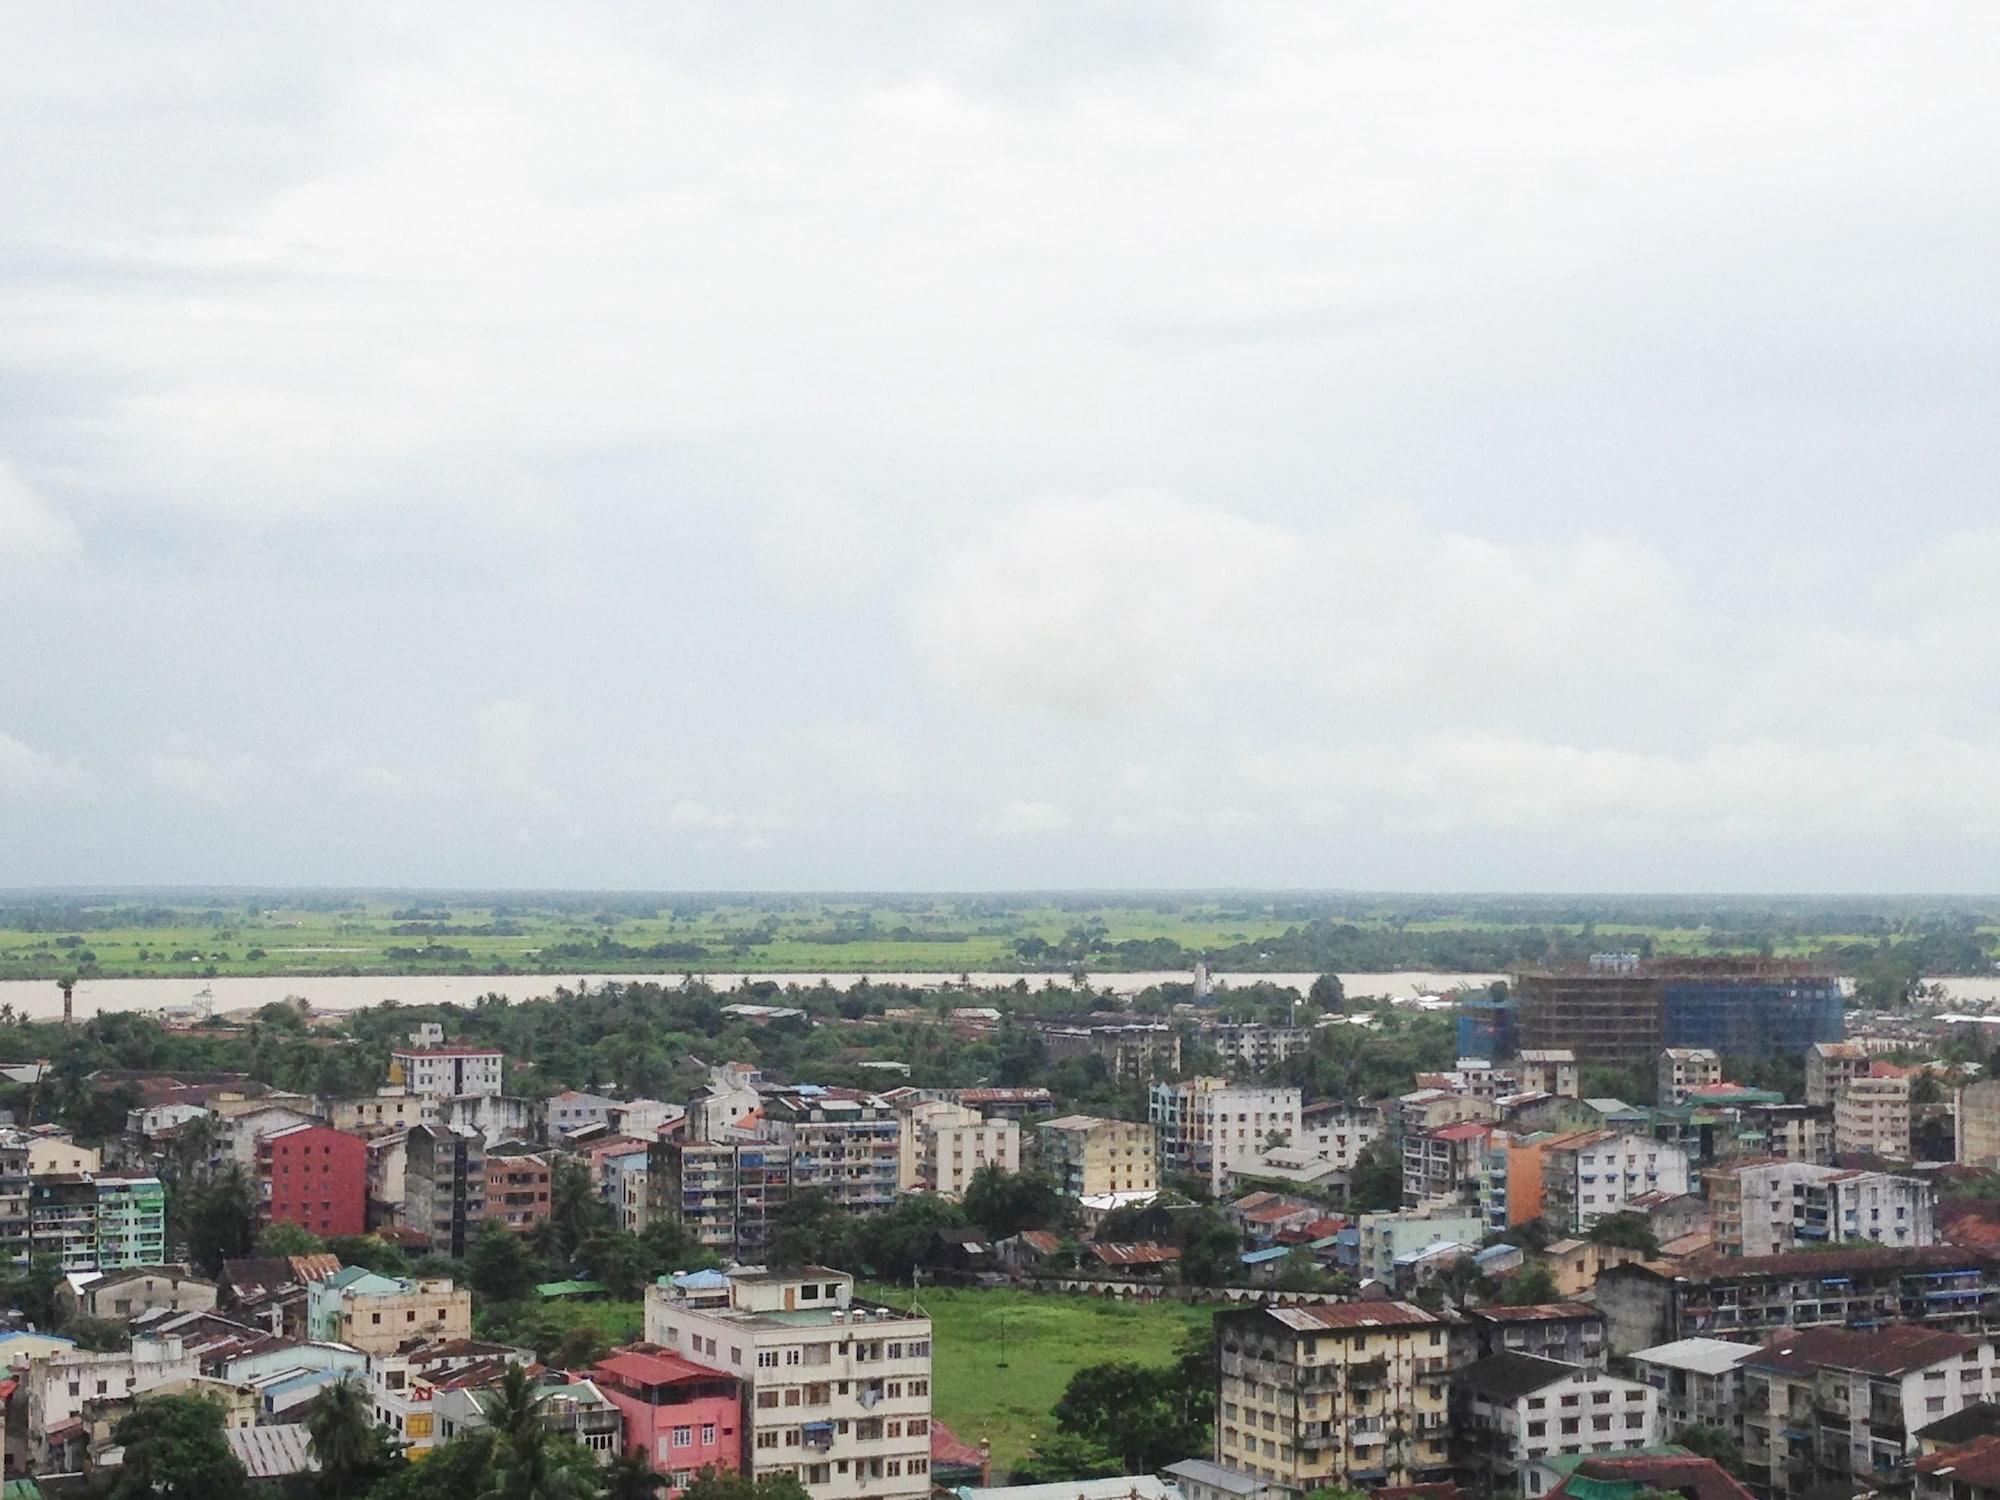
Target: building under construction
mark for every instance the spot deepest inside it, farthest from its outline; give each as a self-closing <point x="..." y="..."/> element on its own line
<point x="1622" y="1010"/>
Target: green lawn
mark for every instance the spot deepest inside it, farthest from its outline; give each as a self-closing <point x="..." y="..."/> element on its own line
<point x="1044" y="1338"/>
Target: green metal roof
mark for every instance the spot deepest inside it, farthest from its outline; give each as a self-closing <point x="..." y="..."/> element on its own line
<point x="568" y="1288"/>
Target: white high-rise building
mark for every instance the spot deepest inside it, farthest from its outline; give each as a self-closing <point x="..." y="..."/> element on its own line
<point x="1205" y="1126"/>
<point x="838" y="1392"/>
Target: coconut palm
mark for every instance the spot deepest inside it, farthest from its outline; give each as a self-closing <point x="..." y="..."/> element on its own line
<point x="530" y="1463"/>
<point x="345" y="1441"/>
<point x="632" y="1477"/>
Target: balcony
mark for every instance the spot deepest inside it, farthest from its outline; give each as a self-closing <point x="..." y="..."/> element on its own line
<point x="1368" y="1373"/>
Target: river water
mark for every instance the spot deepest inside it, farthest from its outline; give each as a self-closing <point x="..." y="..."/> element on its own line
<point x="40" y="997"/>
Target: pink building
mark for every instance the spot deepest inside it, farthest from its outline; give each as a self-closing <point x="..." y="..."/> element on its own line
<point x="686" y="1416"/>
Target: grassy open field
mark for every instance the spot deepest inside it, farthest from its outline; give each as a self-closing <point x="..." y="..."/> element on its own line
<point x="1044" y="1338"/>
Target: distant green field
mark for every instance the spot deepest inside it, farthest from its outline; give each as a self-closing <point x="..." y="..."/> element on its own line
<point x="1044" y="1338"/>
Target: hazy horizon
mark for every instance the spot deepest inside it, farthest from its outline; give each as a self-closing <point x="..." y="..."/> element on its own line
<point x="987" y="448"/>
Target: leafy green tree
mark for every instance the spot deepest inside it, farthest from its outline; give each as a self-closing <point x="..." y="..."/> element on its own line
<point x="352" y="1451"/>
<point x="451" y="1471"/>
<point x="367" y="1250"/>
<point x="1376" y="1182"/>
<point x="894" y="1242"/>
<point x="1715" y="1443"/>
<point x="175" y="1450"/>
<point x="98" y="1335"/>
<point x="1528" y="1287"/>
<point x="1066" y="1455"/>
<point x="498" y="1264"/>
<point x="1005" y="1203"/>
<point x="576" y="1211"/>
<point x="283" y="1239"/>
<point x="1210" y="1248"/>
<point x="630" y="1476"/>
<point x="811" y="1229"/>
<point x="1328" y="993"/>
<point x="1629" y="1231"/>
<point x="711" y="1484"/>
<point x="1148" y="1415"/>
<point x="221" y="1220"/>
<point x="615" y="1257"/>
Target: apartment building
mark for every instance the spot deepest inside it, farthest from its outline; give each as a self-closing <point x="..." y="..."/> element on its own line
<point x="845" y="1143"/>
<point x="1829" y="1065"/>
<point x="1134" y="1054"/>
<point x="444" y="1186"/>
<point x="1871" y="1117"/>
<point x="1510" y="1410"/>
<point x="1337" y="1133"/>
<point x="375" y="1313"/>
<point x="1700" y="1382"/>
<point x="386" y="1110"/>
<point x="1204" y="1127"/>
<point x="1794" y="1132"/>
<point x="1549" y="1070"/>
<point x="1589" y="1176"/>
<point x="1768" y="1207"/>
<point x="97" y="1223"/>
<point x="13" y="1192"/>
<point x="727" y="1193"/>
<point x="685" y="1416"/>
<point x="1571" y="1333"/>
<point x="519" y="1186"/>
<point x="1444" y="1165"/>
<point x="1682" y="1070"/>
<point x="1255" y="1046"/>
<point x="944" y="1143"/>
<point x="1334" y="1394"/>
<point x="1839" y="1406"/>
<point x="1430" y="1109"/>
<point x="447" y="1072"/>
<point x="837" y="1393"/>
<point x="52" y="1151"/>
<point x="573" y="1110"/>
<point x="1088" y="1156"/>
<point x="313" y="1176"/>
<point x="1022" y="1104"/>
<point x="1978" y="1124"/>
<point x="61" y="1389"/>
<point x="1752" y="1297"/>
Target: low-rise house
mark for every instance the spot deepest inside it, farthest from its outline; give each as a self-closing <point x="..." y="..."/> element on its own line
<point x="1575" y="1265"/>
<point x="1386" y="1237"/>
<point x="275" y="1453"/>
<point x="1967" y="1471"/>
<point x="375" y="1313"/>
<point x="1838" y="1405"/>
<point x="1665" y="1470"/>
<point x="1510" y="1409"/>
<point x="1570" y="1333"/>
<point x="684" y="1416"/>
<point x="1700" y="1382"/>
<point x="1144" y="1259"/>
<point x="137" y="1289"/>
<point x="1198" y="1479"/>
<point x="383" y="1112"/>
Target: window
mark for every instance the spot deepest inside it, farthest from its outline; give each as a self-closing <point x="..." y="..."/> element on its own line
<point x="767" y="1359"/>
<point x="683" y="1437"/>
<point x="920" y="1387"/>
<point x="708" y="1434"/>
<point x="919" y="1426"/>
<point x="766" y="1400"/>
<point x="920" y="1466"/>
<point x="767" y="1440"/>
<point x="1538" y="1429"/>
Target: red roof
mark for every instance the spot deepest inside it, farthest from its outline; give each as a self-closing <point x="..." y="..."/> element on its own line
<point x="1276" y="1213"/>
<point x="947" y="1447"/>
<point x="1469" y="1130"/>
<point x="1319" y="1229"/>
<point x="656" y="1369"/>
<point x="1536" y="1312"/>
<point x="1041" y="1239"/>
<point x="1146" y="1253"/>
<point x="1895" y="1350"/>
<point x="1976" y="1463"/>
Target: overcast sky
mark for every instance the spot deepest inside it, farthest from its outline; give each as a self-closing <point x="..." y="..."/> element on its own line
<point x="1543" y="446"/>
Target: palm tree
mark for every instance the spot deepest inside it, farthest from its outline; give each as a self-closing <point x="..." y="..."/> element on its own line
<point x="631" y="1477"/>
<point x="528" y="1462"/>
<point x="341" y="1423"/>
<point x="513" y="1408"/>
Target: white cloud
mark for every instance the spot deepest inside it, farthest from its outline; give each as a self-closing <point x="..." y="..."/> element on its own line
<point x="33" y="533"/>
<point x="507" y="754"/>
<point x="1099" y="607"/>
<point x="1025" y="819"/>
<point x="218" y="781"/>
<point x="30" y="775"/>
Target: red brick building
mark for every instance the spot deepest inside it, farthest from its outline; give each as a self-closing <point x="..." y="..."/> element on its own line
<point x="313" y="1176"/>
<point x="518" y="1187"/>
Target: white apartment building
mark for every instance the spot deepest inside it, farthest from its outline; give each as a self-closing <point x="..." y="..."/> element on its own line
<point x="1548" y="1070"/>
<point x="1831" y="1064"/>
<point x="1769" y="1207"/>
<point x="945" y="1143"/>
<point x="1206" y="1126"/>
<point x="1871" y="1117"/>
<point x="1338" y="1132"/>
<point x="1257" y="1045"/>
<point x="1509" y="1410"/>
<point x="1594" y="1175"/>
<point x="1685" y="1069"/>
<point x="1700" y="1382"/>
<point x="838" y="1394"/>
<point x="447" y="1072"/>
<point x="61" y="1386"/>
